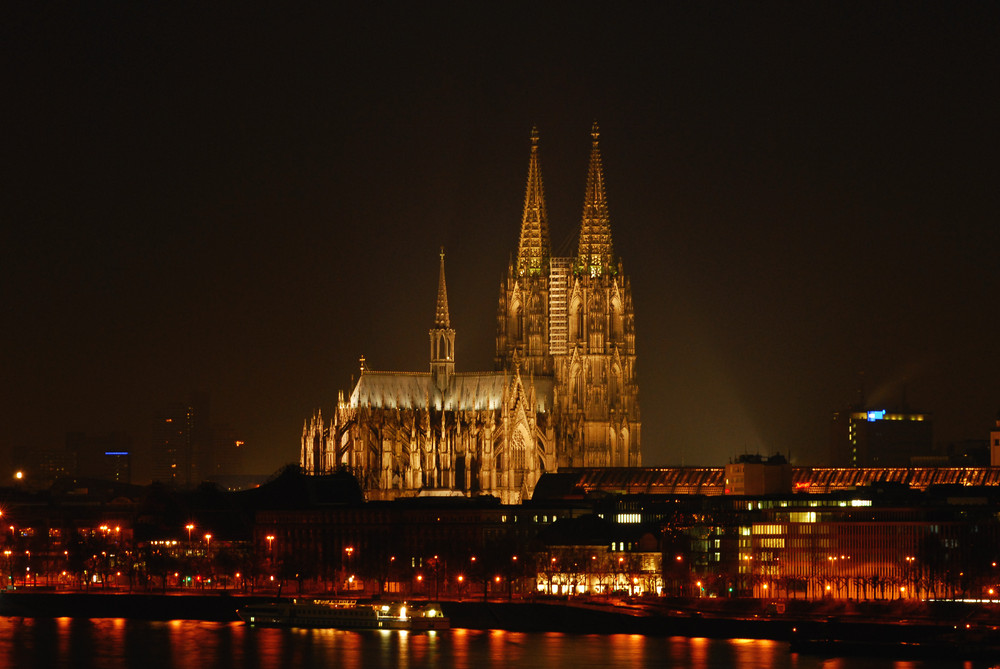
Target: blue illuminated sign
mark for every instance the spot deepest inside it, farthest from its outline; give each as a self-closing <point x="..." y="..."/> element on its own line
<point x="115" y="452"/>
<point x="876" y="415"/>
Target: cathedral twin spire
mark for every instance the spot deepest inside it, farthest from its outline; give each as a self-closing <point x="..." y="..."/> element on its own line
<point x="595" y="253"/>
<point x="534" y="249"/>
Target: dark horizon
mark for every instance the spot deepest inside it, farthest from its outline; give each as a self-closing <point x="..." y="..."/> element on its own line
<point x="244" y="204"/>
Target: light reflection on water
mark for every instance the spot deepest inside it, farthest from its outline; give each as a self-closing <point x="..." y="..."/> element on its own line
<point x="118" y="643"/>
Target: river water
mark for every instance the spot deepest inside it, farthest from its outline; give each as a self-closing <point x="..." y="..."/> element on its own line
<point x="114" y="643"/>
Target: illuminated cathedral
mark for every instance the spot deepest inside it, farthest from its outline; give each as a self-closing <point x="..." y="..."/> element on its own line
<point x="563" y="392"/>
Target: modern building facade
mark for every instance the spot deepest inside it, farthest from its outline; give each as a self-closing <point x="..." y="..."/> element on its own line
<point x="879" y="438"/>
<point x="563" y="391"/>
<point x="101" y="456"/>
<point x="995" y="445"/>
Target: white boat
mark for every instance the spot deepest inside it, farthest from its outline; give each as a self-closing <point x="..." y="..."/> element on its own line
<point x="345" y="614"/>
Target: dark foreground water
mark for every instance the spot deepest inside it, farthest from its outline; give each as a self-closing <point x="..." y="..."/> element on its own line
<point x="115" y="643"/>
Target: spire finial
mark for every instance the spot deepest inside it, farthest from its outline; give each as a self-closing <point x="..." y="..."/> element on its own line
<point x="595" y="132"/>
<point x="534" y="137"/>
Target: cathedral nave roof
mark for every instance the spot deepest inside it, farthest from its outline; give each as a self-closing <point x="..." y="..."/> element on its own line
<point x="465" y="391"/>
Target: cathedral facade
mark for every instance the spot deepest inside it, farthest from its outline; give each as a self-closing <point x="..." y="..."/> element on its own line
<point x="563" y="392"/>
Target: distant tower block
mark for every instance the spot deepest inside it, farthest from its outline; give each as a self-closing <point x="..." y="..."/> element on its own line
<point x="995" y="445"/>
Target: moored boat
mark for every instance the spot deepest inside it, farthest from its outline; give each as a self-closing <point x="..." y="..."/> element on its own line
<point x="345" y="614"/>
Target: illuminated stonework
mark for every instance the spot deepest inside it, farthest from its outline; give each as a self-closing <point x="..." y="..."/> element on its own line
<point x="573" y="319"/>
<point x="564" y="391"/>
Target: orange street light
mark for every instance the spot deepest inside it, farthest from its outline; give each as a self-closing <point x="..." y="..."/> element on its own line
<point x="270" y="541"/>
<point x="189" y="527"/>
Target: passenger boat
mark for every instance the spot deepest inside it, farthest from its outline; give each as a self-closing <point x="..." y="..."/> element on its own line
<point x="345" y="614"/>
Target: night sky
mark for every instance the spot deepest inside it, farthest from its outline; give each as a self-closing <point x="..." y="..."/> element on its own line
<point x="245" y="203"/>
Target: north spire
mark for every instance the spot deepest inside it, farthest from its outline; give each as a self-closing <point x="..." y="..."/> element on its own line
<point x="595" y="252"/>
<point x="535" y="247"/>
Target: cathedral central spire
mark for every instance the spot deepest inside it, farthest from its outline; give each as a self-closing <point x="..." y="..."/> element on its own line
<point x="442" y="336"/>
<point x="535" y="248"/>
<point x="441" y="319"/>
<point x="595" y="252"/>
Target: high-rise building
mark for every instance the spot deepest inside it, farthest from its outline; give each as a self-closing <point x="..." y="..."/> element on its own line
<point x="101" y="456"/>
<point x="879" y="438"/>
<point x="995" y="445"/>
<point x="182" y="443"/>
<point x="563" y="392"/>
<point x="226" y="455"/>
<point x="172" y="447"/>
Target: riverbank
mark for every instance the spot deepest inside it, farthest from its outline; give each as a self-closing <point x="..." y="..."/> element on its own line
<point x="865" y="627"/>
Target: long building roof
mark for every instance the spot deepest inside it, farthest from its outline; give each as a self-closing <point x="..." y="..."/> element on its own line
<point x="711" y="480"/>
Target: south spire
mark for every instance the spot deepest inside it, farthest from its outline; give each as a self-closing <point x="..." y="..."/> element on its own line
<point x="595" y="254"/>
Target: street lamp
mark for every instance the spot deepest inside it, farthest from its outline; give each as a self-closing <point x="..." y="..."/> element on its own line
<point x="347" y="565"/>
<point x="270" y="541"/>
<point x="208" y="542"/>
<point x="189" y="527"/>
